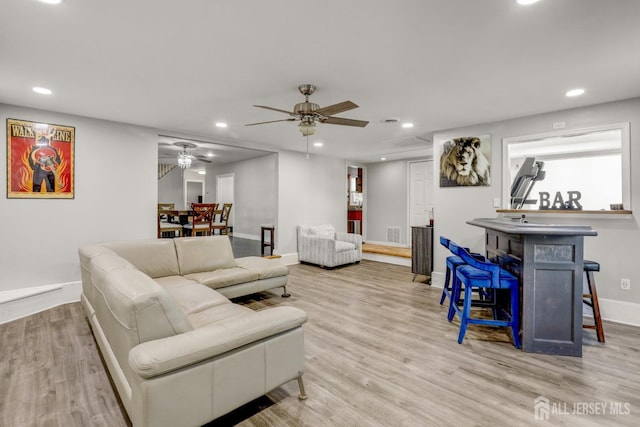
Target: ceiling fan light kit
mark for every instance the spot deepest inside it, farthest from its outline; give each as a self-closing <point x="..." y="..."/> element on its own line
<point x="308" y="113"/>
<point x="184" y="161"/>
<point x="184" y="158"/>
<point x="307" y="127"/>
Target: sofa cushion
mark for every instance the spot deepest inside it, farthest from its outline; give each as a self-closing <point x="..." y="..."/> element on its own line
<point x="155" y="258"/>
<point x="88" y="252"/>
<point x="344" y="246"/>
<point x="101" y="264"/>
<point x="191" y="296"/>
<point x="204" y="254"/>
<point x="142" y="307"/>
<point x="224" y="277"/>
<point x="223" y="312"/>
<point x="266" y="268"/>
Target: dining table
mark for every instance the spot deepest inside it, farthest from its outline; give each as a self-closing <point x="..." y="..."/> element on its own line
<point x="182" y="214"/>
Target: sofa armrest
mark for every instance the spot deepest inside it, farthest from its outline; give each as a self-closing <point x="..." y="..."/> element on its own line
<point x="356" y="239"/>
<point x="164" y="355"/>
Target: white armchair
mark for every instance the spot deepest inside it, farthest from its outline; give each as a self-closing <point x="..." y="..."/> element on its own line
<point x="322" y="245"/>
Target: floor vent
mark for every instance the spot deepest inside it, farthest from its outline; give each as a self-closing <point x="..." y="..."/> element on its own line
<point x="393" y="234"/>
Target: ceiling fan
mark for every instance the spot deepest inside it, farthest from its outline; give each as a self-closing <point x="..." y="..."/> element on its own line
<point x="308" y="113"/>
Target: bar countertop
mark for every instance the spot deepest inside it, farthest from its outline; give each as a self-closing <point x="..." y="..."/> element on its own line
<point x="516" y="227"/>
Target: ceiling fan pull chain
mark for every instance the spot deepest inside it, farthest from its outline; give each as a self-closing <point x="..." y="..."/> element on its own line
<point x="307" y="147"/>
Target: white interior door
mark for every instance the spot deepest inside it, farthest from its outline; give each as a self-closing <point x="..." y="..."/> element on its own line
<point x="420" y="191"/>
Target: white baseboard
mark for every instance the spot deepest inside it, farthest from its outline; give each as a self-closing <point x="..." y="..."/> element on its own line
<point x="620" y="311"/>
<point x="437" y="279"/>
<point x="19" y="303"/>
<point x="396" y="260"/>
<point x="246" y="236"/>
<point x="289" y="259"/>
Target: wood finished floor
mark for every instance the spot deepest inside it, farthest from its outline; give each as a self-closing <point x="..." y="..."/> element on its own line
<point x="379" y="352"/>
<point x="386" y="250"/>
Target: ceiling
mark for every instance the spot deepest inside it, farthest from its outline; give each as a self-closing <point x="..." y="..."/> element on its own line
<point x="182" y="66"/>
<point x="203" y="152"/>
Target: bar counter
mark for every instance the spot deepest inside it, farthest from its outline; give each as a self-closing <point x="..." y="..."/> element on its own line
<point x="548" y="260"/>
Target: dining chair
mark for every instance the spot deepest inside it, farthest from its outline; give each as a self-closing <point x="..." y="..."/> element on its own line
<point x="165" y="207"/>
<point x="201" y="220"/>
<point x="223" y="224"/>
<point x="168" y="229"/>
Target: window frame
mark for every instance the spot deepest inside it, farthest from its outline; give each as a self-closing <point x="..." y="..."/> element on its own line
<point x="625" y="151"/>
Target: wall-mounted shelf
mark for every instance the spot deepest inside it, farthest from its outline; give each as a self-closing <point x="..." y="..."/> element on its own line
<point x="610" y="214"/>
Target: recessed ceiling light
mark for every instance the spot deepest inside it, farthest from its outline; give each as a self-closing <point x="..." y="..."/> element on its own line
<point x="575" y="92"/>
<point x="221" y="124"/>
<point x="51" y="1"/>
<point x="527" y="2"/>
<point x="318" y="144"/>
<point x="407" y="125"/>
<point x="202" y="172"/>
<point x="42" y="90"/>
<point x="383" y="158"/>
<point x="210" y="155"/>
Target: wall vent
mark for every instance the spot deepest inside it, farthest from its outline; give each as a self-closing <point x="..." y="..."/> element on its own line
<point x="393" y="234"/>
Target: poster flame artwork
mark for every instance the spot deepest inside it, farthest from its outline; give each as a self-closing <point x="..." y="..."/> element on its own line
<point x="40" y="160"/>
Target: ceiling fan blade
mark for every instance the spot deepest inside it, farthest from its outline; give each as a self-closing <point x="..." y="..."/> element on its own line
<point x="272" y="121"/>
<point x="344" y="122"/>
<point x="275" y="109"/>
<point x="330" y="110"/>
<point x="203" y="159"/>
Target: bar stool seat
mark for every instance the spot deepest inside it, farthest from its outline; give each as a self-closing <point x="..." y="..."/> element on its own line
<point x="591" y="299"/>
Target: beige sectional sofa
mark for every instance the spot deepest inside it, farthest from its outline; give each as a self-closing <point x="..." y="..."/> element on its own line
<point x="178" y="351"/>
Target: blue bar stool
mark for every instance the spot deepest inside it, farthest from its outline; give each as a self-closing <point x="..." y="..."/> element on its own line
<point x="483" y="275"/>
<point x="452" y="262"/>
<point x="591" y="299"/>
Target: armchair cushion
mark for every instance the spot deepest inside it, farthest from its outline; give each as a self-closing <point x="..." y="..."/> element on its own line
<point x="321" y="230"/>
<point x="344" y="246"/>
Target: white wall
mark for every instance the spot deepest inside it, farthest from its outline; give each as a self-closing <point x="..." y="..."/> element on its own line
<point x="616" y="245"/>
<point x="170" y="188"/>
<point x="387" y="200"/>
<point x="310" y="191"/>
<point x="255" y="193"/>
<point x="115" y="198"/>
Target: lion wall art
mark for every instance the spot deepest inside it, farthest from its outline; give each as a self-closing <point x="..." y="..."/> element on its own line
<point x="465" y="162"/>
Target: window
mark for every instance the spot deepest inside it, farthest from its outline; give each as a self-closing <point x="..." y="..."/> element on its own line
<point x="586" y="169"/>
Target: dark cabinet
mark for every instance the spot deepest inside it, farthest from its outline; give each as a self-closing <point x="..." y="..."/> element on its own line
<point x="422" y="251"/>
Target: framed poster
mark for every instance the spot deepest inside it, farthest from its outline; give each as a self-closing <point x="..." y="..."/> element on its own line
<point x="465" y="161"/>
<point x="40" y="160"/>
